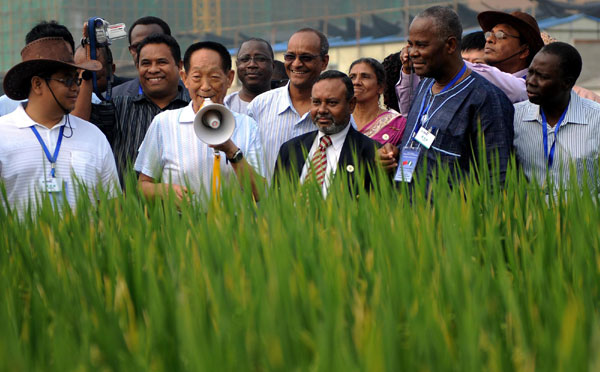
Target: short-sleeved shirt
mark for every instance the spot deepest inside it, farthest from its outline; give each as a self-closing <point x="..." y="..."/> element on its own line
<point x="235" y="103"/>
<point x="84" y="153"/>
<point x="577" y="142"/>
<point x="171" y="152"/>
<point x="456" y="115"/>
<point x="278" y="122"/>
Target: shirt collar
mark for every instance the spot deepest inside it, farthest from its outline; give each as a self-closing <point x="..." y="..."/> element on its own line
<point x="573" y="115"/>
<point x="180" y="95"/>
<point x="521" y="74"/>
<point x="337" y="140"/>
<point x="286" y="101"/>
<point x="187" y="114"/>
<point x="25" y="121"/>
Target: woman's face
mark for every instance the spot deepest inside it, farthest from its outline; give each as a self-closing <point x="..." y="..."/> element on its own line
<point x="365" y="83"/>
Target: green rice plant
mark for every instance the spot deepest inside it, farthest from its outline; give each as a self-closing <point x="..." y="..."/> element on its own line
<point x="477" y="276"/>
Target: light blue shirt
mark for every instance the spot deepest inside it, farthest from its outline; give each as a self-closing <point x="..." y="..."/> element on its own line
<point x="278" y="122"/>
<point x="171" y="152"/>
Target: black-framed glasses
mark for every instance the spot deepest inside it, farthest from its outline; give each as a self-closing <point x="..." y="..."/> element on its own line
<point x="68" y="82"/>
<point x="500" y="35"/>
<point x="304" y="58"/>
<point x="258" y="59"/>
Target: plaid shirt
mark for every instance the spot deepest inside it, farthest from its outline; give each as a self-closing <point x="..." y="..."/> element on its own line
<point x="125" y="121"/>
<point x="456" y="115"/>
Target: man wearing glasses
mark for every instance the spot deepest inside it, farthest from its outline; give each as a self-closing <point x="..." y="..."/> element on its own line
<point x="284" y="113"/>
<point x="254" y="70"/>
<point x="45" y="151"/>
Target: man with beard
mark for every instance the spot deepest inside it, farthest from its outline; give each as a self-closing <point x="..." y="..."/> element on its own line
<point x="336" y="147"/>
<point x="254" y="69"/>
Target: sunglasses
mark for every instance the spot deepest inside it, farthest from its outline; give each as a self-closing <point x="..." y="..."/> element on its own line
<point x="500" y="35"/>
<point x="68" y="82"/>
<point x="304" y="58"/>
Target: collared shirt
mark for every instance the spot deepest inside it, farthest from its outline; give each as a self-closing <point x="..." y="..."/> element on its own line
<point x="84" y="153"/>
<point x="235" y="103"/>
<point x="333" y="156"/>
<point x="8" y="105"/>
<point x="278" y="121"/>
<point x="577" y="142"/>
<point x="171" y="152"/>
<point x="125" y="121"/>
<point x="456" y="116"/>
<point x="128" y="88"/>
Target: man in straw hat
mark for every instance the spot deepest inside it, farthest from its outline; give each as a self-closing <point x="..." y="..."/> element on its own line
<point x="43" y="149"/>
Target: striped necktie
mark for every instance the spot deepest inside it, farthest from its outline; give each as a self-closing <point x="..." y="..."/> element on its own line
<point x="319" y="159"/>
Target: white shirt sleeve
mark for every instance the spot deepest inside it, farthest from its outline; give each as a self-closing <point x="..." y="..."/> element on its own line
<point x="149" y="159"/>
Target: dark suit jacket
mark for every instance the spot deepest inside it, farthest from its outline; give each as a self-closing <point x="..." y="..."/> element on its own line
<point x="293" y="153"/>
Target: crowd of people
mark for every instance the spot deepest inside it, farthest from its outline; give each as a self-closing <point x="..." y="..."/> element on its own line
<point x="441" y="101"/>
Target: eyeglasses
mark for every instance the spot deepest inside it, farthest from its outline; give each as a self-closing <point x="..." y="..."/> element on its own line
<point x="257" y="59"/>
<point x="500" y="35"/>
<point x="133" y="47"/>
<point x="68" y="82"/>
<point x="304" y="58"/>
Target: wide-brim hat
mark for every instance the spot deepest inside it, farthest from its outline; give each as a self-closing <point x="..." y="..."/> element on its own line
<point x="38" y="56"/>
<point x="522" y="22"/>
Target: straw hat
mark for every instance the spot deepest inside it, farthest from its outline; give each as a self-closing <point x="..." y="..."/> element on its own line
<point x="522" y="22"/>
<point x="38" y="56"/>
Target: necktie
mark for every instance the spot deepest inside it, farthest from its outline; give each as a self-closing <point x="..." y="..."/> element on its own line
<point x="319" y="159"/>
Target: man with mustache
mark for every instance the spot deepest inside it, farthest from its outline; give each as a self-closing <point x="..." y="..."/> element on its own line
<point x="453" y="110"/>
<point x="254" y="70"/>
<point x="331" y="149"/>
<point x="556" y="129"/>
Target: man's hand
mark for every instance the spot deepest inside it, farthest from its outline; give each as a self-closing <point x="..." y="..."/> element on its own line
<point x="180" y="192"/>
<point x="405" y="60"/>
<point x="228" y="147"/>
<point x="387" y="157"/>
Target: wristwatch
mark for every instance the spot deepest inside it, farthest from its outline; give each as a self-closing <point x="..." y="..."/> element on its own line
<point x="237" y="157"/>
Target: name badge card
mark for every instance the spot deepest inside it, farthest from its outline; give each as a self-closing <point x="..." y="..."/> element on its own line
<point x="51" y="184"/>
<point x="408" y="163"/>
<point x="425" y="137"/>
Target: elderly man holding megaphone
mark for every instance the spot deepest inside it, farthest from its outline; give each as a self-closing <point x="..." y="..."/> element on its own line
<point x="183" y="149"/>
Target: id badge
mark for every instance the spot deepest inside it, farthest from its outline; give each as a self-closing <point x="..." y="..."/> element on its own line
<point x="50" y="184"/>
<point x="425" y="137"/>
<point x="408" y="163"/>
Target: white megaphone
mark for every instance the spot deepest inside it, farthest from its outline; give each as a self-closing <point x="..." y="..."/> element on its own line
<point x="214" y="123"/>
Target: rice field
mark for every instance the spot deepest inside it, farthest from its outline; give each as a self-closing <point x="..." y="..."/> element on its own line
<point x="475" y="278"/>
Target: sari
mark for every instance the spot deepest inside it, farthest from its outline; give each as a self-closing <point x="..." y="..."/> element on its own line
<point x="387" y="127"/>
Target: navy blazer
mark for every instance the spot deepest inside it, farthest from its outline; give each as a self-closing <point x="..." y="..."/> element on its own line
<point x="292" y="157"/>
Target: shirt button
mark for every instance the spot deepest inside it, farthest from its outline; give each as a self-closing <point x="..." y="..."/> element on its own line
<point x="385" y="137"/>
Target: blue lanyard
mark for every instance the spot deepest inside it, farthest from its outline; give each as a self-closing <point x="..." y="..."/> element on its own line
<point x="550" y="156"/>
<point x="51" y="159"/>
<point x="424" y="111"/>
<point x="140" y="90"/>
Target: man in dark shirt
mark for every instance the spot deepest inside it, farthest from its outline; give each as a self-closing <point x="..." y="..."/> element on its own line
<point x="126" y="119"/>
<point x="453" y="108"/>
<point x="139" y="30"/>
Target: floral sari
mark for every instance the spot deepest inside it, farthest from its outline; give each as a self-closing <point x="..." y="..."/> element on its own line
<point x="388" y="127"/>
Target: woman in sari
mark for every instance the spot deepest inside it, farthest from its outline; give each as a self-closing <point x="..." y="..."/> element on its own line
<point x="381" y="125"/>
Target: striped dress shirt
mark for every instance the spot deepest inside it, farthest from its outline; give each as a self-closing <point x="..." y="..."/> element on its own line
<point x="577" y="142"/>
<point x="278" y="121"/>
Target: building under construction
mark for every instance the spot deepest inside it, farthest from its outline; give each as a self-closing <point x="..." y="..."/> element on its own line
<point x="226" y="21"/>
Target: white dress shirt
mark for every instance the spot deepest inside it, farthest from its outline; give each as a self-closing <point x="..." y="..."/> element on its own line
<point x="235" y="103"/>
<point x="278" y="122"/>
<point x="85" y="154"/>
<point x="171" y="152"/>
<point x="333" y="156"/>
<point x="577" y="142"/>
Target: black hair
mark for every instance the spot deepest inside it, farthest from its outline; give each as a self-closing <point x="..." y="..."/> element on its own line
<point x="335" y="74"/>
<point x="375" y="65"/>
<point x="149" y="20"/>
<point x="279" y="68"/>
<point x="473" y="41"/>
<point x="168" y="40"/>
<point x="260" y="41"/>
<point x="324" y="43"/>
<point x="392" y="66"/>
<point x="212" y="45"/>
<point x="446" y="21"/>
<point x="50" y="29"/>
<point x="570" y="60"/>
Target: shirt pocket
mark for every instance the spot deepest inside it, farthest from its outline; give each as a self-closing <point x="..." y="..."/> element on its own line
<point x="83" y="166"/>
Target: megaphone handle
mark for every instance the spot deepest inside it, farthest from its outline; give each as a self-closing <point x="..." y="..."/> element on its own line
<point x="216" y="175"/>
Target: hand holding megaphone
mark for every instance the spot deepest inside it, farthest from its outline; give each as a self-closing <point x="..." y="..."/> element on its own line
<point x="214" y="123"/>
